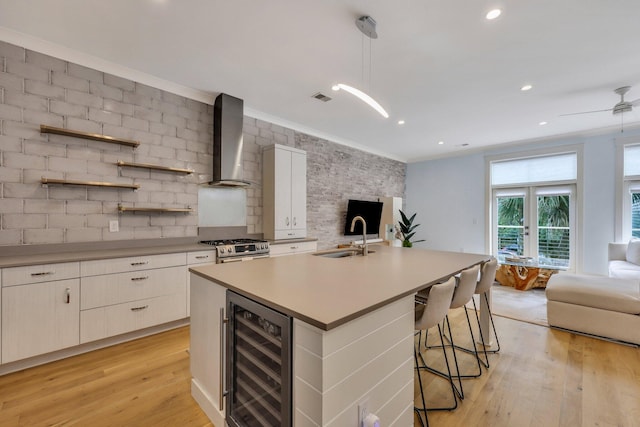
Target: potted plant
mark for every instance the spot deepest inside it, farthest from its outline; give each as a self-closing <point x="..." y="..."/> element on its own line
<point x="406" y="231"/>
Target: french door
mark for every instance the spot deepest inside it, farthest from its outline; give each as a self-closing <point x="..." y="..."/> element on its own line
<point x="536" y="222"/>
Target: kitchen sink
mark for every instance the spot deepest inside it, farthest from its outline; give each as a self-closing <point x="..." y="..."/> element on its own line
<point x="340" y="253"/>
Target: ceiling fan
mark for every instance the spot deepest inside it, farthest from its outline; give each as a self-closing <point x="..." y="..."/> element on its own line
<point x="621" y="107"/>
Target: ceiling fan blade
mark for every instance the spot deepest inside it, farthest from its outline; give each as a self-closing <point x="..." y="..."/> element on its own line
<point x="586" y="112"/>
<point x="635" y="102"/>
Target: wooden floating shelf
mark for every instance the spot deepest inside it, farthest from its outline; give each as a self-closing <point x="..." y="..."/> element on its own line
<point x="122" y="208"/>
<point x="88" y="135"/>
<point x="153" y="167"/>
<point x="50" y="181"/>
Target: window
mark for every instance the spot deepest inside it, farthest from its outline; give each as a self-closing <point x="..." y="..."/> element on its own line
<point x="533" y="209"/>
<point x="631" y="192"/>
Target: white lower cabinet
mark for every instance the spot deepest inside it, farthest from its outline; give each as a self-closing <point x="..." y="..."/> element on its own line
<point x="49" y="307"/>
<point x="193" y="259"/>
<point x="291" y="248"/>
<point x="39" y="318"/>
<point x="143" y="295"/>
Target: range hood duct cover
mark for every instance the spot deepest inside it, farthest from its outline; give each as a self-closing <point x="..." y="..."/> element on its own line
<point x="228" y="115"/>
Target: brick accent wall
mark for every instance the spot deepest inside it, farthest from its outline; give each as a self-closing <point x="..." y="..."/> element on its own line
<point x="173" y="131"/>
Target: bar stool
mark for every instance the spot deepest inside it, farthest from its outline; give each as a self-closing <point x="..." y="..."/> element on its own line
<point x="463" y="294"/>
<point x="487" y="278"/>
<point x="430" y="311"/>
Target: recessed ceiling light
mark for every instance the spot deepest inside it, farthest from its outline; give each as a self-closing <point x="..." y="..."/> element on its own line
<point x="440" y="142"/>
<point x="400" y="122"/>
<point x="526" y="88"/>
<point x="493" y="14"/>
<point x="335" y="87"/>
<point x="542" y="123"/>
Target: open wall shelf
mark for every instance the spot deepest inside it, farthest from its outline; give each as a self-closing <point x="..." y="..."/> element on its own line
<point x="88" y="135"/>
<point x="154" y="167"/>
<point x="122" y="209"/>
<point x="51" y="181"/>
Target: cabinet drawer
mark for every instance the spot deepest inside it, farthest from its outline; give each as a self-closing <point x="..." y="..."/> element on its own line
<point x="290" y="234"/>
<point x="39" y="273"/>
<point x="118" y="319"/>
<point x="110" y="289"/>
<point x="119" y="265"/>
<point x="292" y="248"/>
<point x="201" y="257"/>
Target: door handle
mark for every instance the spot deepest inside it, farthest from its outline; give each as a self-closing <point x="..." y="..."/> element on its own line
<point x="223" y="351"/>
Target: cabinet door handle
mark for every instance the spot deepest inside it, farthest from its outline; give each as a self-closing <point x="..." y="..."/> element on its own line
<point x="222" y="392"/>
<point x="133" y="264"/>
<point x="293" y="247"/>
<point x="202" y="257"/>
<point x="142" y="307"/>
<point x="136" y="279"/>
<point x="44" y="273"/>
<point x="286" y="221"/>
<point x="67" y="294"/>
<point x="294" y="221"/>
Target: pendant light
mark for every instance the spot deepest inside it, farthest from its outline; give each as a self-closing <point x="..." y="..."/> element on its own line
<point x="367" y="25"/>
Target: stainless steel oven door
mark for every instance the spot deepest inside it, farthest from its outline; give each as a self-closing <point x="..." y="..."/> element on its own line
<point x="240" y="258"/>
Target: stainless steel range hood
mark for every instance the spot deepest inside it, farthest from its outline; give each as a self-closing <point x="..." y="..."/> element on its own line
<point x="228" y="114"/>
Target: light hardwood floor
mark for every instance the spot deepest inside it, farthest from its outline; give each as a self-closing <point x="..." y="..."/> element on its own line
<point x="145" y="382"/>
<point x="542" y="377"/>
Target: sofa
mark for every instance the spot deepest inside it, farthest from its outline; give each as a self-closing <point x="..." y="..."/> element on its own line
<point x="606" y="307"/>
<point x="624" y="259"/>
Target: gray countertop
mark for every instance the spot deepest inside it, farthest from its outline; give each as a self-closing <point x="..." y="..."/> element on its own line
<point x="57" y="257"/>
<point x="328" y="292"/>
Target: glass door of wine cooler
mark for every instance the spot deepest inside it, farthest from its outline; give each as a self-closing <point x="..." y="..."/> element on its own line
<point x="258" y="365"/>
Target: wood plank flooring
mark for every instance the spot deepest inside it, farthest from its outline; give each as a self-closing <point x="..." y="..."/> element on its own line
<point x="145" y="382"/>
<point x="542" y="377"/>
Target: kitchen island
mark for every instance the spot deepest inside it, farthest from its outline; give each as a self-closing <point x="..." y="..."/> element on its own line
<point x="352" y="328"/>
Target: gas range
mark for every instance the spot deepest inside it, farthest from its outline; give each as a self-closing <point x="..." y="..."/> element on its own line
<point x="238" y="249"/>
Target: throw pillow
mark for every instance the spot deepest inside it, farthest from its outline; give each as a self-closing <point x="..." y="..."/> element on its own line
<point x="633" y="251"/>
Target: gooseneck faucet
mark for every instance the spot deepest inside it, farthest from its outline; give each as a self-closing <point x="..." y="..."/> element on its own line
<point x="365" y="249"/>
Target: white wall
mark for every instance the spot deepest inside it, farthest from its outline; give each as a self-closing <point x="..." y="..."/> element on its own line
<point x="449" y="196"/>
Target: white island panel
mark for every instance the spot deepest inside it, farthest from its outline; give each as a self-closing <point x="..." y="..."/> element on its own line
<point x="366" y="359"/>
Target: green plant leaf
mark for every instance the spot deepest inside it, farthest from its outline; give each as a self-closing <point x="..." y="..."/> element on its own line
<point x="405" y="220"/>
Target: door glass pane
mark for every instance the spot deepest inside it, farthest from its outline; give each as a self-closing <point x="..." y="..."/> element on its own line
<point x="553" y="230"/>
<point x="510" y="226"/>
<point x="635" y="214"/>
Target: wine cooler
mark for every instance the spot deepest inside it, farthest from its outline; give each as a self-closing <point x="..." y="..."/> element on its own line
<point x="258" y="365"/>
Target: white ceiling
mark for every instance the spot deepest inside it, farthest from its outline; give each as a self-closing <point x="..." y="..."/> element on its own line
<point x="438" y="64"/>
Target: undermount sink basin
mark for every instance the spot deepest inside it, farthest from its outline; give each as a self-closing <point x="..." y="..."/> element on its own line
<point x="340" y="253"/>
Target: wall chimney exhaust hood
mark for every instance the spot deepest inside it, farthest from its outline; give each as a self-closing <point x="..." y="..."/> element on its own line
<point x="228" y="115"/>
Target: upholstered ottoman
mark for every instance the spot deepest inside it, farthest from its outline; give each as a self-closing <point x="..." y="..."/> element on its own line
<point x="596" y="305"/>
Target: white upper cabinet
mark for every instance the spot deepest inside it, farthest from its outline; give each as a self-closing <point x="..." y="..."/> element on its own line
<point x="284" y="187"/>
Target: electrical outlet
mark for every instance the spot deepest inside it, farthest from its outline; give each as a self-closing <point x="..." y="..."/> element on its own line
<point x="363" y="410"/>
<point x="113" y="226"/>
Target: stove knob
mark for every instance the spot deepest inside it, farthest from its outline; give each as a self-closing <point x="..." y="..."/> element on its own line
<point x="221" y="250"/>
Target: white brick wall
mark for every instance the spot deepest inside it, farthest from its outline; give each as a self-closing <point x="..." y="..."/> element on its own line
<point x="38" y="89"/>
<point x="174" y="131"/>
